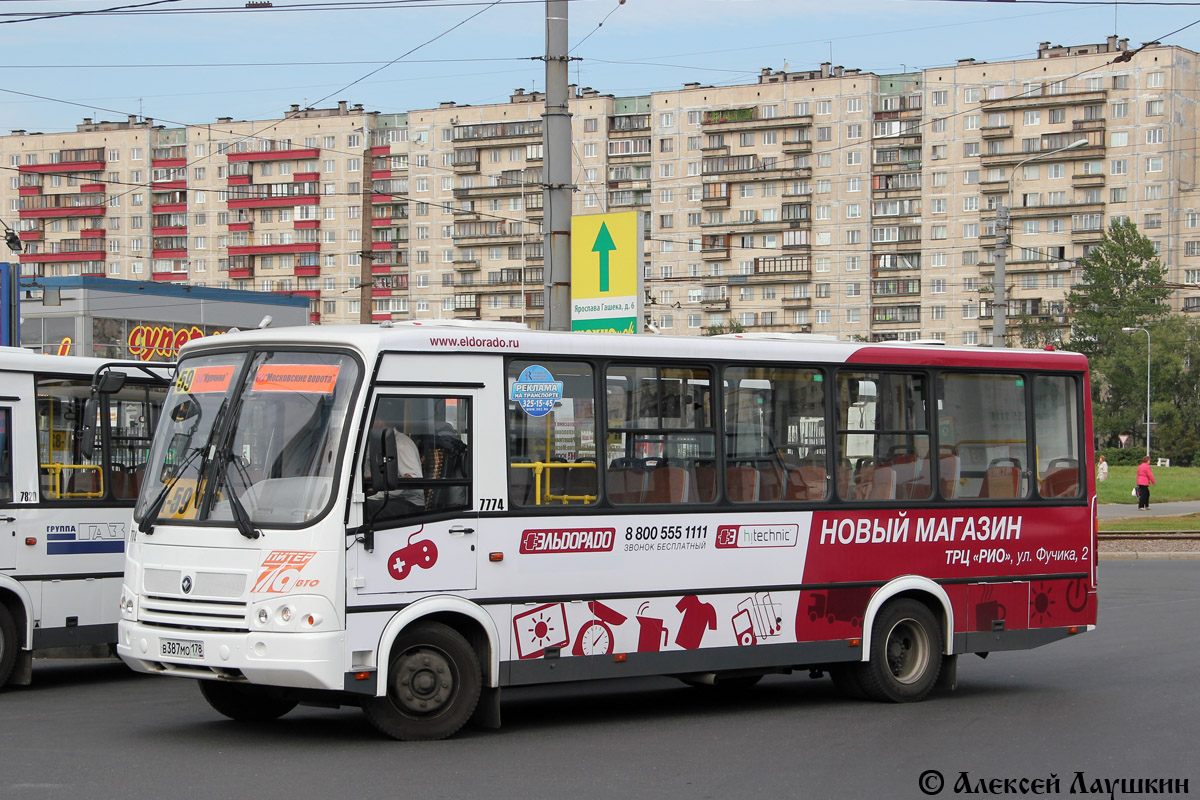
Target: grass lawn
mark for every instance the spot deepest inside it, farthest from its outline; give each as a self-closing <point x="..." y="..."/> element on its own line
<point x="1174" y="483"/>
<point x="1191" y="522"/>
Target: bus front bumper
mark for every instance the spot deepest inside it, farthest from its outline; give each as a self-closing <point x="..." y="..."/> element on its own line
<point x="296" y="660"/>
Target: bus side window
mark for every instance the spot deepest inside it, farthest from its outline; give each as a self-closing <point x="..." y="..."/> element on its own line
<point x="1056" y="434"/>
<point x="981" y="434"/>
<point x="6" y="475"/>
<point x="551" y="434"/>
<point x="431" y="437"/>
<point x="65" y="473"/>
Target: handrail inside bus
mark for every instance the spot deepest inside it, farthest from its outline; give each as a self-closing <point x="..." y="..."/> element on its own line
<point x="539" y="466"/>
<point x="56" y="471"/>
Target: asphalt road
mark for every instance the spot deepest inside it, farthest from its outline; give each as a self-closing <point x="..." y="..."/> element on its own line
<point x="1119" y="702"/>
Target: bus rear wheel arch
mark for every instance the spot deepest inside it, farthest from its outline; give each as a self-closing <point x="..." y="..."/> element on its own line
<point x="434" y="682"/>
<point x="906" y="653"/>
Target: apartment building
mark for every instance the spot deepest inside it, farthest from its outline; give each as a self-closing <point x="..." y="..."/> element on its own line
<point x="829" y="201"/>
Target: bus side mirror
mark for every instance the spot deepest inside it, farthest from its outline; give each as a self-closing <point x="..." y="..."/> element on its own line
<point x="185" y="411"/>
<point x="87" y="427"/>
<point x="381" y="455"/>
<point x="111" y="382"/>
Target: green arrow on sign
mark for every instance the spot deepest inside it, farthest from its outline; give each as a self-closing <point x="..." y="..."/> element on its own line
<point x="604" y="245"/>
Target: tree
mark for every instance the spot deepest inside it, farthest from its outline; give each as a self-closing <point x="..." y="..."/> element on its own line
<point x="730" y="327"/>
<point x="1122" y="286"/>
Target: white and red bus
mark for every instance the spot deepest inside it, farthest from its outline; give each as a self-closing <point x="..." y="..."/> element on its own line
<point x="410" y="518"/>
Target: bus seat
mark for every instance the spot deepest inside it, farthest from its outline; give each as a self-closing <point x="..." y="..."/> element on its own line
<point x="883" y="484"/>
<point x="843" y="481"/>
<point x="741" y="484"/>
<point x="625" y="484"/>
<point x="811" y="483"/>
<point x="1062" y="481"/>
<point x="770" y="482"/>
<point x="948" y="472"/>
<point x="581" y="481"/>
<point x="82" y="481"/>
<point x="914" y="480"/>
<point x="121" y="483"/>
<point x="1002" y="478"/>
<point x="669" y="484"/>
<point x="520" y="486"/>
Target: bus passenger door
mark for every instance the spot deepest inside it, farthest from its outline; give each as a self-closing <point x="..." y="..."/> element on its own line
<point x="8" y="522"/>
<point x="425" y="529"/>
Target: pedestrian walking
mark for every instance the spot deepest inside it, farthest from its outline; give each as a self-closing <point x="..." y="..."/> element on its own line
<point x="1145" y="477"/>
<point x="1101" y="470"/>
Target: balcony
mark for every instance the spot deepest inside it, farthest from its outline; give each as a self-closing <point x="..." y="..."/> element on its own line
<point x="1044" y="100"/>
<point x="303" y="154"/>
<point x="997" y="132"/>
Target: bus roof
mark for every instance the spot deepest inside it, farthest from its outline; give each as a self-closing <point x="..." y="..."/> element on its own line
<point x="23" y="360"/>
<point x="456" y="337"/>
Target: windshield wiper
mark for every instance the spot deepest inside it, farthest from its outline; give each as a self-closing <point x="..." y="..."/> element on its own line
<point x="241" y="517"/>
<point x="146" y="526"/>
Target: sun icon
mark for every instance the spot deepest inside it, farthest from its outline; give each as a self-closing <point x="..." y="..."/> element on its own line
<point x="542" y="629"/>
<point x="1039" y="607"/>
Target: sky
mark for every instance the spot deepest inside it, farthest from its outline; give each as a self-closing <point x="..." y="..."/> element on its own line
<point x="168" y="62"/>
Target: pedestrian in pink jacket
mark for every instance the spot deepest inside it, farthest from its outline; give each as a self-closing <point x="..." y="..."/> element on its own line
<point x="1145" y="477"/>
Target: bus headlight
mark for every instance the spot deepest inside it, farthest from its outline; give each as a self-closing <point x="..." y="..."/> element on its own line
<point x="297" y="613"/>
<point x="128" y="605"/>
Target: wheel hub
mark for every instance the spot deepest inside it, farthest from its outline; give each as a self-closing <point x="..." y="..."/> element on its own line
<point x="424" y="681"/>
<point x="907" y="651"/>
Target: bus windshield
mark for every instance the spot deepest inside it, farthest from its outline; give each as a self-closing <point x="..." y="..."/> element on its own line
<point x="249" y="438"/>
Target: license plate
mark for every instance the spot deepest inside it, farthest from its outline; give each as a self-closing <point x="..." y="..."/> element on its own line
<point x="178" y="649"/>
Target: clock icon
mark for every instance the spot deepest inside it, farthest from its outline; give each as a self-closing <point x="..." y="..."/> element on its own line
<point x="595" y="638"/>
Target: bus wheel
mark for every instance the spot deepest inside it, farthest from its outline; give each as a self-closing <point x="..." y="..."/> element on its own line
<point x="244" y="702"/>
<point x="906" y="653"/>
<point x="433" y="685"/>
<point x="845" y="678"/>
<point x="8" y="644"/>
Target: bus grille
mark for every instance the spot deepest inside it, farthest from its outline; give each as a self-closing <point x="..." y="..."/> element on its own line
<point x="204" y="615"/>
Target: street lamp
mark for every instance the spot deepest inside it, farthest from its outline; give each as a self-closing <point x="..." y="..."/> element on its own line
<point x="1000" y="251"/>
<point x="1143" y="330"/>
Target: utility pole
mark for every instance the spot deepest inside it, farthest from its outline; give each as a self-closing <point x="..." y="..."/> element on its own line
<point x="556" y="145"/>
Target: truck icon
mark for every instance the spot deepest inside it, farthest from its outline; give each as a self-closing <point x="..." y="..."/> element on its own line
<point x="845" y="605"/>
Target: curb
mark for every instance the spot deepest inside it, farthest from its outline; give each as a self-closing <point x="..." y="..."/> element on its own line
<point x="1136" y="556"/>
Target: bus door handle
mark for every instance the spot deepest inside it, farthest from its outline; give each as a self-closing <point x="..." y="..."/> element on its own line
<point x="8" y="519"/>
<point x="459" y="530"/>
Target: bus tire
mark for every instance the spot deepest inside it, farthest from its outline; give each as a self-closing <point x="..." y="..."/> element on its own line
<point x="845" y="678"/>
<point x="906" y="653"/>
<point x="244" y="702"/>
<point x="433" y="686"/>
<point x="8" y="645"/>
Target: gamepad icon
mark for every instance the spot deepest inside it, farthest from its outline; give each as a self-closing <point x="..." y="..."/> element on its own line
<point x="421" y="554"/>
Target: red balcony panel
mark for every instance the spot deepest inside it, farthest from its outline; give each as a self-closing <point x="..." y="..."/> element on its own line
<point x="239" y="273"/>
<point x="381" y="269"/>
<point x="381" y="317"/>
<point x="382" y="245"/>
<point x="239" y="180"/>
<point x="168" y="208"/>
<point x="84" y="255"/>
<point x="304" y="224"/>
<point x="169" y="276"/>
<point x="77" y="211"/>
<point x="313" y="294"/>
<point x="271" y="249"/>
<point x="377" y="291"/>
<point x="30" y="236"/>
<point x="307" y="271"/>
<point x="64" y="167"/>
<point x="381" y="222"/>
<point x="314" y="317"/>
<point x="26" y="191"/>
<point x="276" y="155"/>
<point x="183" y="253"/>
<point x="240" y="226"/>
<point x="306" y="176"/>
<point x="169" y="230"/>
<point x="92" y="188"/>
<point x="92" y="233"/>
<point x="382" y="198"/>
<point x="381" y="150"/>
<point x="162" y="186"/>
<point x="381" y="174"/>
<point x="168" y="162"/>
<point x="276" y="202"/>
